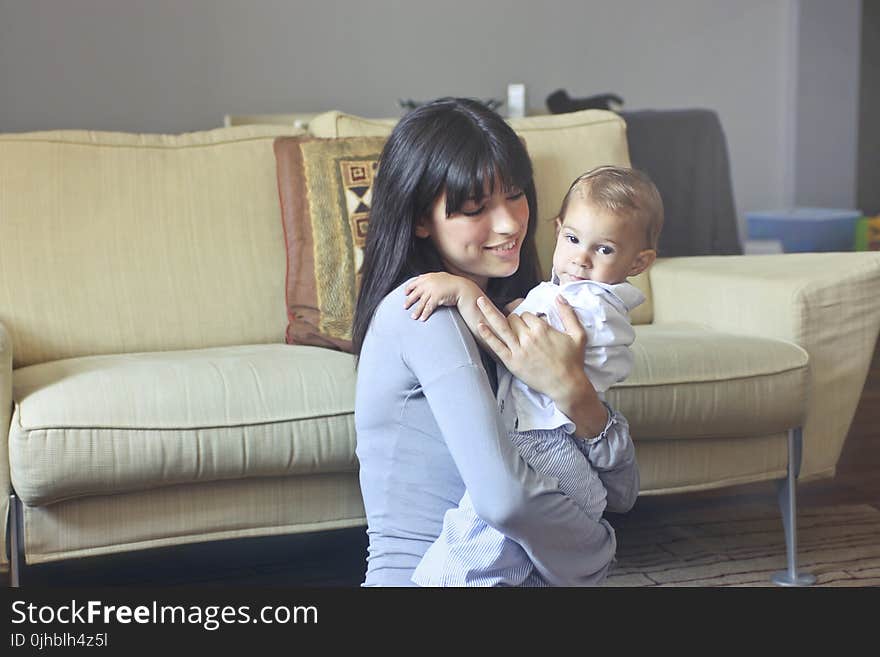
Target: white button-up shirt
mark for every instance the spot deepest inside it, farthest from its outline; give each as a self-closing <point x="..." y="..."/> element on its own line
<point x="604" y="313"/>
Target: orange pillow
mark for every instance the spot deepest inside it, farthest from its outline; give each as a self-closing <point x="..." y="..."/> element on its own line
<point x="325" y="190"/>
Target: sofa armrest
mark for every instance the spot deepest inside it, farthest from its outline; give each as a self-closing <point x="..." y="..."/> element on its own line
<point x="5" y="418"/>
<point x="828" y="303"/>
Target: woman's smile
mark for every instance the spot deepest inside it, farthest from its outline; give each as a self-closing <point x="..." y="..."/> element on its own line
<point x="505" y="250"/>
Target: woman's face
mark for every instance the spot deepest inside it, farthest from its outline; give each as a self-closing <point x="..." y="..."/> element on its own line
<point x="483" y="239"/>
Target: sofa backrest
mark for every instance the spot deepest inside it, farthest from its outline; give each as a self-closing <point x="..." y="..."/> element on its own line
<point x="119" y="243"/>
<point x="561" y="147"/>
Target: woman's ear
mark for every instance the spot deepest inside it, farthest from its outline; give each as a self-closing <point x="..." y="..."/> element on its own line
<point x="422" y="230"/>
<point x="643" y="260"/>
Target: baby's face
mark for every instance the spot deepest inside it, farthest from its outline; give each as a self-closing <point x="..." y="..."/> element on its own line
<point x="595" y="245"/>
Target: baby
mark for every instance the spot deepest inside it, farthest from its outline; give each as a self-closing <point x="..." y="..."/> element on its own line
<point x="607" y="230"/>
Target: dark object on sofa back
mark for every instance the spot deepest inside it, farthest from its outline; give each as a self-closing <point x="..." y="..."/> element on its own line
<point x="685" y="153"/>
<point x="559" y="102"/>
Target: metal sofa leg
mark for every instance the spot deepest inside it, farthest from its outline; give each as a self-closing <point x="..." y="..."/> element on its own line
<point x="788" y="506"/>
<point x="16" y="541"/>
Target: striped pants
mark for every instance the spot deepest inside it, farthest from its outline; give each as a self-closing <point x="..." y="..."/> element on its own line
<point x="469" y="552"/>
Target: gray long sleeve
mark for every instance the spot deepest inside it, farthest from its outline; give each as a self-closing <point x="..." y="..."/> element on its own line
<point x="427" y="426"/>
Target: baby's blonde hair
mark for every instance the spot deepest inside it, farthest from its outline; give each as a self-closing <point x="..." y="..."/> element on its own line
<point x="628" y="193"/>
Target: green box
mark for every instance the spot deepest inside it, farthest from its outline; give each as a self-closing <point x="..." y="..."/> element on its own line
<point x="867" y="234"/>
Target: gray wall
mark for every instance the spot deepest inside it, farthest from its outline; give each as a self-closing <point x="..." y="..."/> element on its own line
<point x="180" y="65"/>
<point x="827" y="105"/>
<point x="868" y="196"/>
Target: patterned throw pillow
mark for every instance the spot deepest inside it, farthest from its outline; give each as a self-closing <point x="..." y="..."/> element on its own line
<point x="325" y="189"/>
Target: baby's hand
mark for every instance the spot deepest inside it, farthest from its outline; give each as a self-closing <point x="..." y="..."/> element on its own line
<point x="509" y="308"/>
<point x="426" y="293"/>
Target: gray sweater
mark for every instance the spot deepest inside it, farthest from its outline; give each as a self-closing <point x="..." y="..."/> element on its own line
<point x="428" y="426"/>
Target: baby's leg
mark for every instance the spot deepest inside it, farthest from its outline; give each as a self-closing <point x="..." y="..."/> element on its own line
<point x="553" y="453"/>
<point x="469" y="552"/>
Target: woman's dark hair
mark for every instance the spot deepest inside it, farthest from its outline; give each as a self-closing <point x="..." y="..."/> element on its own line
<point x="455" y="145"/>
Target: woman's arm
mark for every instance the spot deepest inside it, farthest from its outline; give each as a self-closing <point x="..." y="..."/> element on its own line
<point x="567" y="547"/>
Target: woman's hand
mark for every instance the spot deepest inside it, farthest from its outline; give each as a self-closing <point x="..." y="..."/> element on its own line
<point x="534" y="352"/>
<point x="547" y="360"/>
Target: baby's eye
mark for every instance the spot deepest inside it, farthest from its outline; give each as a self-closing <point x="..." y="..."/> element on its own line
<point x="604" y="250"/>
<point x="572" y="239"/>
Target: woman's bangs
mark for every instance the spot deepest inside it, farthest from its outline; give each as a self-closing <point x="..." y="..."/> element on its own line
<point x="475" y="170"/>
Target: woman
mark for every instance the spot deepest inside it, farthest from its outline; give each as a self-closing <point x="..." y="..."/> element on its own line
<point x="454" y="192"/>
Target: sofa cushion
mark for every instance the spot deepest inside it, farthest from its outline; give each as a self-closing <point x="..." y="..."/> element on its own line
<point x="561" y="147"/>
<point x="324" y="185"/>
<point x="133" y="242"/>
<point x="332" y="124"/>
<point x="693" y="382"/>
<point x="108" y="424"/>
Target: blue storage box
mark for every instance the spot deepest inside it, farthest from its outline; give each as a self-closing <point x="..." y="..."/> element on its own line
<point x="805" y="229"/>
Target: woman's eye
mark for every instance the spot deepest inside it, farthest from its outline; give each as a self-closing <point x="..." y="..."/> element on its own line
<point x="605" y="250"/>
<point x="473" y="213"/>
<point x="515" y="196"/>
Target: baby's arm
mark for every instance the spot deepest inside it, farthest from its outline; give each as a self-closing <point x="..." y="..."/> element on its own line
<point x="426" y="293"/>
<point x="509" y="308"/>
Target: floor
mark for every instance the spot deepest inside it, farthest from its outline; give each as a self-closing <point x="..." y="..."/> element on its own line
<point x="337" y="559"/>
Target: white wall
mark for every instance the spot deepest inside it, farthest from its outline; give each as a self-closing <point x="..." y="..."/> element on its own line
<point x="180" y="65"/>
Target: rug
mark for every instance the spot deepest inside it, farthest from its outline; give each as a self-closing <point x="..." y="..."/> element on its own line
<point x="744" y="545"/>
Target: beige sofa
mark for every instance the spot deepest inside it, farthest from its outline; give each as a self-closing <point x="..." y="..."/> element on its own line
<point x="147" y="397"/>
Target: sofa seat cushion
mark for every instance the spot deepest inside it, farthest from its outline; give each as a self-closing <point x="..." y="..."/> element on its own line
<point x="109" y="424"/>
<point x="693" y="382"/>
